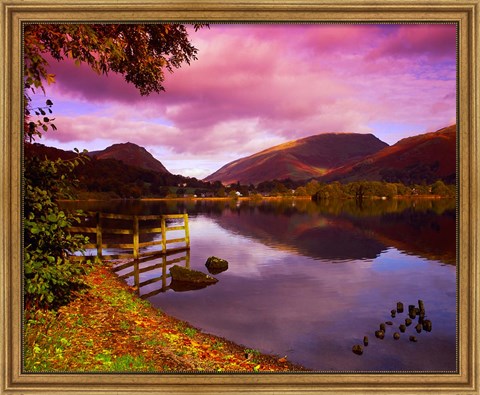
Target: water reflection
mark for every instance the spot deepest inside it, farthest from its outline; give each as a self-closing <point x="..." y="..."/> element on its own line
<point x="336" y="232"/>
<point x="329" y="230"/>
<point x="144" y="274"/>
<point x="311" y="280"/>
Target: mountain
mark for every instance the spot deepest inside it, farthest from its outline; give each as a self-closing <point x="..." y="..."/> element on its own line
<point x="413" y="160"/>
<point x="131" y="154"/>
<point x="301" y="159"/>
<point x="102" y="173"/>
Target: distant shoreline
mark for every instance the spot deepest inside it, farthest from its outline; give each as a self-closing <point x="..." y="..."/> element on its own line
<point x="251" y="198"/>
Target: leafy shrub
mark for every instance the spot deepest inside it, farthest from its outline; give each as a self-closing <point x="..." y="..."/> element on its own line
<point x="49" y="274"/>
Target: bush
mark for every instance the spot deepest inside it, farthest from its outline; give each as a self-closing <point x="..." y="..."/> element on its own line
<point x="49" y="274"/>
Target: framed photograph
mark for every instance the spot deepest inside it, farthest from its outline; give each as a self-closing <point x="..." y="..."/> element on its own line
<point x="273" y="197"/>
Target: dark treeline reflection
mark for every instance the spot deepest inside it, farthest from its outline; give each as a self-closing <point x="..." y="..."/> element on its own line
<point x="331" y="230"/>
<point x="337" y="231"/>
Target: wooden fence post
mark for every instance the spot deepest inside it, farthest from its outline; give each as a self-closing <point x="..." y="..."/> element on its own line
<point x="187" y="232"/>
<point x="99" y="235"/>
<point x="136" y="238"/>
<point x="164" y="272"/>
<point x="187" y="259"/>
<point x="164" y="236"/>
<point x="136" y="276"/>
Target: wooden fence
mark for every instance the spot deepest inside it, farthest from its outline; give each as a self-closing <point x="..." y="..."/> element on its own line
<point x="130" y="225"/>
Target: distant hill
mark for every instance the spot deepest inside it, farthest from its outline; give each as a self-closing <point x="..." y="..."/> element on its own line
<point x="103" y="173"/>
<point x="413" y="160"/>
<point x="131" y="154"/>
<point x="301" y="159"/>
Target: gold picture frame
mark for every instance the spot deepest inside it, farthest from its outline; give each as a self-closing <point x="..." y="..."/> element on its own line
<point x="465" y="13"/>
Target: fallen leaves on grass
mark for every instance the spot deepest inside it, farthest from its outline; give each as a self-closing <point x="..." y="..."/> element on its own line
<point x="109" y="328"/>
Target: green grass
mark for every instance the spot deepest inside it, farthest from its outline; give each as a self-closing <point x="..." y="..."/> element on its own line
<point x="190" y="332"/>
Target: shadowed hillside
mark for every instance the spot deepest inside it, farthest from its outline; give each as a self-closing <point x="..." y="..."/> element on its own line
<point x="413" y="160"/>
<point x="131" y="154"/>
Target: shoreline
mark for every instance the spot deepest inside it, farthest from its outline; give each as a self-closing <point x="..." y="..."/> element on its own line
<point x="247" y="198"/>
<point x="109" y="328"/>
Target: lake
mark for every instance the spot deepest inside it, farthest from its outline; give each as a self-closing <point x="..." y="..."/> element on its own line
<point x="309" y="280"/>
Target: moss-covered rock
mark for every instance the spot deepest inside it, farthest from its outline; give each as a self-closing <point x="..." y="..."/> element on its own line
<point x="216" y="265"/>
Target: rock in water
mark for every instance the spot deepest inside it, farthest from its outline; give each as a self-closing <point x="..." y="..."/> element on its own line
<point x="412" y="312"/>
<point x="182" y="274"/>
<point x="365" y="341"/>
<point x="357" y="349"/>
<point x="216" y="265"/>
<point x="427" y="325"/>
<point x="421" y="306"/>
<point x="399" y="307"/>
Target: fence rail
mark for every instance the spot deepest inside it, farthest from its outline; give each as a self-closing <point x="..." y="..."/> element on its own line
<point x="132" y="227"/>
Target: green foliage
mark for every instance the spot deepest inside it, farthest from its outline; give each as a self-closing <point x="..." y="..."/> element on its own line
<point x="221" y="192"/>
<point x="190" y="332"/>
<point x="49" y="276"/>
<point x="439" y="188"/>
<point x="233" y="195"/>
<point x="312" y="187"/>
<point x="301" y="191"/>
<point x="128" y="363"/>
<point x="381" y="189"/>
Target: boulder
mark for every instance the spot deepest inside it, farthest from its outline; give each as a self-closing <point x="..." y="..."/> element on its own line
<point x="216" y="265"/>
<point x="184" y="275"/>
<point x="357" y="349"/>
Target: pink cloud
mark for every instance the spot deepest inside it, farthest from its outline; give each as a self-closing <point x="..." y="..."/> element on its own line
<point x="81" y="82"/>
<point x="255" y="85"/>
<point x="437" y="42"/>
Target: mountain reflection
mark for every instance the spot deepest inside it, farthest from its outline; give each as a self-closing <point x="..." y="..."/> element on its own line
<point x="330" y="230"/>
<point x="338" y="231"/>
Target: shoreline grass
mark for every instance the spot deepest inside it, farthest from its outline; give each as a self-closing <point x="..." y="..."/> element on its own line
<point x="108" y="328"/>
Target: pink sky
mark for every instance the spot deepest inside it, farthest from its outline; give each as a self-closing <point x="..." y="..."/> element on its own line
<point x="255" y="86"/>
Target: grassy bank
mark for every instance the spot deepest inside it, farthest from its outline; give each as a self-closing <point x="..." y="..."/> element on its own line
<point x="108" y="328"/>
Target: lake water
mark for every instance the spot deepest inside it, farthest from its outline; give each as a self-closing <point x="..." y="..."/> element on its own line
<point x="309" y="280"/>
